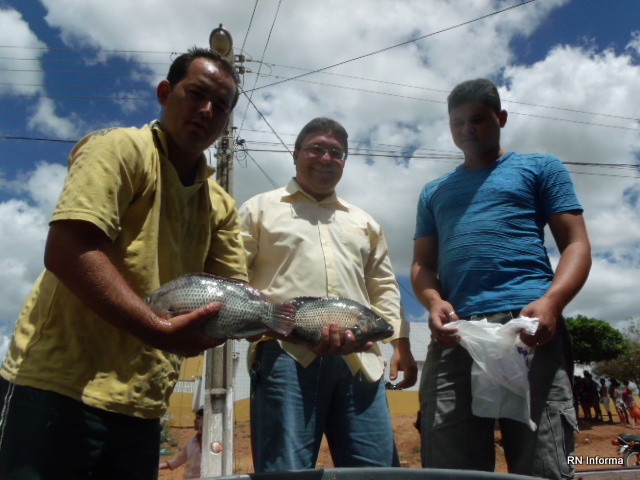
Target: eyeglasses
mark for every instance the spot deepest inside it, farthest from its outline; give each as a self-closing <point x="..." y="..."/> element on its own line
<point x="317" y="151"/>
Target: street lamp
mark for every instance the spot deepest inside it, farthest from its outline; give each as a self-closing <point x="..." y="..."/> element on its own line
<point x="220" y="41"/>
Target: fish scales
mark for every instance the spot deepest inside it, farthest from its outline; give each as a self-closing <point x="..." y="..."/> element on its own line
<point x="244" y="311"/>
<point x="313" y="313"/>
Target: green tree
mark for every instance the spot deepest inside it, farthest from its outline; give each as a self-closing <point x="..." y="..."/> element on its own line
<point x="627" y="365"/>
<point x="595" y="340"/>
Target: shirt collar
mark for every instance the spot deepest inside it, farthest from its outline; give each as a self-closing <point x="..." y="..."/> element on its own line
<point x="293" y="188"/>
<point x="204" y="171"/>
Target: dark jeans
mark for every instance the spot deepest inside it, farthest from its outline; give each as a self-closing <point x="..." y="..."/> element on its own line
<point x="45" y="435"/>
<point x="292" y="406"/>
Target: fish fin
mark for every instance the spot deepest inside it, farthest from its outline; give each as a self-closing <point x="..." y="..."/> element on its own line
<point x="248" y="333"/>
<point x="282" y="319"/>
<point x="296" y="302"/>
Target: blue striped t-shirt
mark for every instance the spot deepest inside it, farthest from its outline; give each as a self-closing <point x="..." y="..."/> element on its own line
<point x="490" y="228"/>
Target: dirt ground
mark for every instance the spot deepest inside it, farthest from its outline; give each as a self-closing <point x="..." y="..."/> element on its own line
<point x="593" y="440"/>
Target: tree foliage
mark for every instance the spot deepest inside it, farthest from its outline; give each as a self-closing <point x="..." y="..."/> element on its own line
<point x="595" y="340"/>
<point x="627" y="365"/>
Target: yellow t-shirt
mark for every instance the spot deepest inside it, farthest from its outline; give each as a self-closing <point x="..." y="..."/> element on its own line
<point x="122" y="181"/>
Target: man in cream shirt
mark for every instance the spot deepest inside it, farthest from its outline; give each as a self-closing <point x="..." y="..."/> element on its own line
<point x="302" y="240"/>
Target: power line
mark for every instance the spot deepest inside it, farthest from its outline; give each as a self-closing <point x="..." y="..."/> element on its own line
<point x="446" y="92"/>
<point x="95" y="50"/>
<point x="246" y="35"/>
<point x="398" y="45"/>
<point x="444" y="103"/>
<point x="266" y="121"/>
<point x="109" y="62"/>
<point x="76" y="97"/>
<point x="260" y="67"/>
<point x="80" y="72"/>
<point x="432" y="157"/>
<point x="57" y="85"/>
<point x="80" y="60"/>
<point x="581" y="122"/>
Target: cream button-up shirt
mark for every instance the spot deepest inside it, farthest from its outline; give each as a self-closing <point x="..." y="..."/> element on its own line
<point x="297" y="246"/>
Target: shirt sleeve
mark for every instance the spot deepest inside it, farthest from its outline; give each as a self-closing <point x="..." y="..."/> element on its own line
<point x="557" y="192"/>
<point x="180" y="459"/>
<point x="425" y="220"/>
<point x="250" y="235"/>
<point x="104" y="174"/>
<point x="382" y="286"/>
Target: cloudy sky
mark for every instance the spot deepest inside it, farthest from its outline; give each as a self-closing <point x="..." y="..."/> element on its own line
<point x="568" y="71"/>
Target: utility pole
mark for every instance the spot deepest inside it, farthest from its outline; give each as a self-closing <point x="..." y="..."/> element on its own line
<point x="217" y="435"/>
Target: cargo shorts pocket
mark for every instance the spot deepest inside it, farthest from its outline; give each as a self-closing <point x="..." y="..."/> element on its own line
<point x="556" y="440"/>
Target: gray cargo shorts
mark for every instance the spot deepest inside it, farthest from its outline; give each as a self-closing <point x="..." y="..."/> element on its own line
<point x="452" y="437"/>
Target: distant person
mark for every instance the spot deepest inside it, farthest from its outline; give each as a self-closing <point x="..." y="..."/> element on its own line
<point x="634" y="412"/>
<point x="90" y="367"/>
<point x="616" y="396"/>
<point x="629" y="402"/>
<point x="604" y="398"/>
<point x="479" y="252"/>
<point x="583" y="397"/>
<point x="304" y="240"/>
<point x="594" y="395"/>
<point x="191" y="454"/>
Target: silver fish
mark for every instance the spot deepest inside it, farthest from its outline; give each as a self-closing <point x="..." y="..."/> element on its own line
<point x="313" y="313"/>
<point x="244" y="312"/>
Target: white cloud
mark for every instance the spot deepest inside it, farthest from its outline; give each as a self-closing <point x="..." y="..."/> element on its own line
<point x="23" y="230"/>
<point x="21" y="72"/>
<point x="46" y="120"/>
<point x="44" y="186"/>
<point x="14" y="77"/>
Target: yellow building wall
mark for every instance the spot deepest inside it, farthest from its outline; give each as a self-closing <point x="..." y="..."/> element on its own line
<point x="181" y="402"/>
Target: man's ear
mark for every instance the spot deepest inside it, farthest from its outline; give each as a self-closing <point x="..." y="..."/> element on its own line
<point x="502" y="116"/>
<point x="296" y="152"/>
<point x="162" y="92"/>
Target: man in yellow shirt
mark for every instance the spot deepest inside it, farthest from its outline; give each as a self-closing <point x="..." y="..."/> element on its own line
<point x="303" y="240"/>
<point x="90" y="367"/>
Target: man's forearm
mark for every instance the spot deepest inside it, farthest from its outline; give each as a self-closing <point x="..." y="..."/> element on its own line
<point x="77" y="256"/>
<point x="571" y="274"/>
<point x="425" y="285"/>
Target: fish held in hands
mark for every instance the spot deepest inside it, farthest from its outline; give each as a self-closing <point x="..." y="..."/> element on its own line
<point x="313" y="313"/>
<point x="244" y="312"/>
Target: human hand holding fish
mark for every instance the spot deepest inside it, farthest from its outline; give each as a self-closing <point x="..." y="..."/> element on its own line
<point x="244" y="311"/>
<point x="337" y="341"/>
<point x="183" y="334"/>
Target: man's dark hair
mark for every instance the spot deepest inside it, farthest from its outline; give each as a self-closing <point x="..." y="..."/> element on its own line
<point x="479" y="90"/>
<point x="179" y="67"/>
<point x="325" y="125"/>
<point x="200" y="412"/>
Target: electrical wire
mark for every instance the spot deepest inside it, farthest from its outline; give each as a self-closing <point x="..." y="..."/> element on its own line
<point x="260" y="67"/>
<point x="443" y="157"/>
<point x="398" y="45"/>
<point x="266" y="121"/>
<point x="246" y="35"/>
<point x="445" y="92"/>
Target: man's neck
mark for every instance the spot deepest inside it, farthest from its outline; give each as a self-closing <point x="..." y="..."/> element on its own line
<point x="476" y="162"/>
<point x="186" y="165"/>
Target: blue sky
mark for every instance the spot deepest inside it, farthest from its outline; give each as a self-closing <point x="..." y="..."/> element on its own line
<point x="568" y="71"/>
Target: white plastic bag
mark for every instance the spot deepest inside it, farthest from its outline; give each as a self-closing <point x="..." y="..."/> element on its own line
<point x="499" y="375"/>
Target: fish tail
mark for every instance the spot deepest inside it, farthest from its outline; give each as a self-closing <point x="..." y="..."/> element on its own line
<point x="281" y="317"/>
